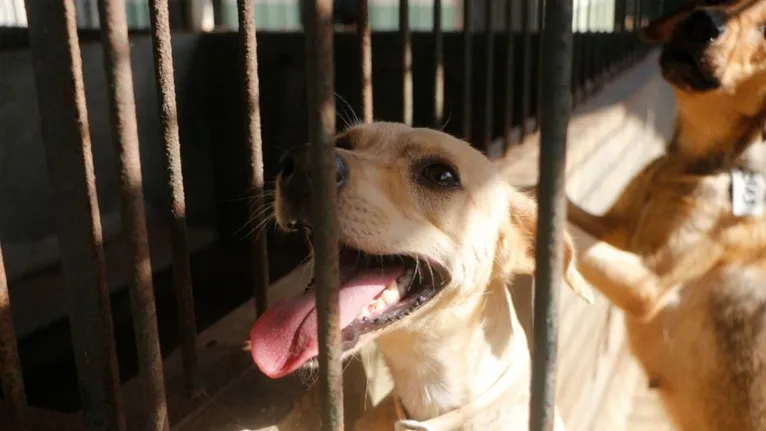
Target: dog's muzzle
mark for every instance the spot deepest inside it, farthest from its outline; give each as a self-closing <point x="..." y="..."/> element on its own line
<point x="295" y="180"/>
<point x="683" y="59"/>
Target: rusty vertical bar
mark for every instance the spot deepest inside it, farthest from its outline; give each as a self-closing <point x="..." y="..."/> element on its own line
<point x="467" y="69"/>
<point x="438" y="66"/>
<point x="540" y="17"/>
<point x="526" y="64"/>
<point x="166" y="95"/>
<point x="551" y="218"/>
<point x="636" y="20"/>
<point x="217" y="6"/>
<point x="119" y="77"/>
<point x="10" y="365"/>
<point x="321" y="101"/>
<point x="509" y="75"/>
<point x="66" y="139"/>
<point x="404" y="31"/>
<point x="365" y="60"/>
<point x="489" y="65"/>
<point x="587" y="58"/>
<point x="597" y="50"/>
<point x="618" y="34"/>
<point x="249" y="52"/>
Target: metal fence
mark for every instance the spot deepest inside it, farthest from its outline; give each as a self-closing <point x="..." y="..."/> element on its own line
<point x="573" y="64"/>
<point x="285" y="15"/>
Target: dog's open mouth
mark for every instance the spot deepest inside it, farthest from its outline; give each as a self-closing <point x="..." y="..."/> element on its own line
<point x="375" y="291"/>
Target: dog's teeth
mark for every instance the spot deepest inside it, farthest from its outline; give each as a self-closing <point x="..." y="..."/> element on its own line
<point x="391" y="294"/>
<point x="364" y="314"/>
<point x="380" y="305"/>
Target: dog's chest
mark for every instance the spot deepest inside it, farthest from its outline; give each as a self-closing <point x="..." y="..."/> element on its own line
<point x="677" y="211"/>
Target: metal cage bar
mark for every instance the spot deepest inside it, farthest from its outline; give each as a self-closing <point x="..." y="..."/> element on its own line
<point x="249" y="52"/>
<point x="321" y="101"/>
<point x="438" y="66"/>
<point x="509" y="75"/>
<point x="166" y="95"/>
<point x="10" y="365"/>
<point x="526" y="81"/>
<point x="551" y="219"/>
<point x="119" y="76"/>
<point x="404" y="31"/>
<point x="365" y="60"/>
<point x="489" y="65"/>
<point x="467" y="68"/>
<point x="539" y="18"/>
<point x="66" y="138"/>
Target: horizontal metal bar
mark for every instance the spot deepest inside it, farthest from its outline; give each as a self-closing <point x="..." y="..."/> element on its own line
<point x="119" y="76"/>
<point x="61" y="100"/>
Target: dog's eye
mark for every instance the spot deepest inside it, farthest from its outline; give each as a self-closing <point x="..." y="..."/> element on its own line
<point x="439" y="175"/>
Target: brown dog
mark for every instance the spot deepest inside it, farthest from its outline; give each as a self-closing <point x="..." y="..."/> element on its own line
<point x="694" y="218"/>
<point x="431" y="240"/>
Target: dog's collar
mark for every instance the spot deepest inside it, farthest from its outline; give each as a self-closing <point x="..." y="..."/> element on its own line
<point x="453" y="419"/>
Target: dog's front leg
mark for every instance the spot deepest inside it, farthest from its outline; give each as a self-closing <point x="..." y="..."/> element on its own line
<point x="608" y="228"/>
<point x="620" y="276"/>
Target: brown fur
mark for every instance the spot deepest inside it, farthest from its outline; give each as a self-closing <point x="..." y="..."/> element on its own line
<point x="690" y="275"/>
<point x="452" y="349"/>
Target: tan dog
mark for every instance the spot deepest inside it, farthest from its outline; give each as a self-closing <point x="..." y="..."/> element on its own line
<point x="431" y="240"/>
<point x="694" y="219"/>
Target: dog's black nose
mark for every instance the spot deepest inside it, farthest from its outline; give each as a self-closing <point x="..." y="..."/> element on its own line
<point x="295" y="171"/>
<point x="702" y="26"/>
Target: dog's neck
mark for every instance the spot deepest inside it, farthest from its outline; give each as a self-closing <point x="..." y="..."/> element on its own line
<point x="714" y="131"/>
<point x="458" y="358"/>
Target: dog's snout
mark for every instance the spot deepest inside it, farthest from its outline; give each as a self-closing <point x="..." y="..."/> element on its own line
<point x="702" y="26"/>
<point x="286" y="168"/>
<point x="295" y="171"/>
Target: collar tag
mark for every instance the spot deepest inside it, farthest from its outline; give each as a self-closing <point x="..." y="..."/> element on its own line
<point x="748" y="190"/>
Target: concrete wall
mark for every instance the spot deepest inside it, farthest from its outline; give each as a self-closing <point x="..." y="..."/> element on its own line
<point x="26" y="216"/>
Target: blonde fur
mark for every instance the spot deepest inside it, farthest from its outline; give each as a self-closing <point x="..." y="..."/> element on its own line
<point x="690" y="275"/>
<point x="454" y="348"/>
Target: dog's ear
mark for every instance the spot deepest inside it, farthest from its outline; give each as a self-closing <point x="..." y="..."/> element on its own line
<point x="524" y="214"/>
<point x="660" y="29"/>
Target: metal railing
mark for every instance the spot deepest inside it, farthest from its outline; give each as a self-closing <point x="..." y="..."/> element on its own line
<point x="574" y="61"/>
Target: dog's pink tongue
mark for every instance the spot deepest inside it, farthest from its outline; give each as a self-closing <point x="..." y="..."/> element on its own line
<point x="285" y="337"/>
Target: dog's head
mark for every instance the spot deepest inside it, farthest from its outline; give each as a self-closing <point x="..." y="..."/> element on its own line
<point x="712" y="45"/>
<point x="425" y="226"/>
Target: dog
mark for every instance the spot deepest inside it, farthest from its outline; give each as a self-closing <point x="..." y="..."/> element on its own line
<point x="683" y="250"/>
<point x="431" y="239"/>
